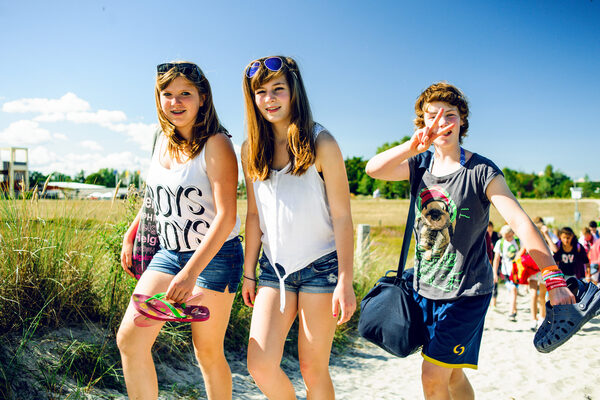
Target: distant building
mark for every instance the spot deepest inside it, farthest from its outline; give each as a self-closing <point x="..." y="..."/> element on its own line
<point x="13" y="172"/>
<point x="76" y="190"/>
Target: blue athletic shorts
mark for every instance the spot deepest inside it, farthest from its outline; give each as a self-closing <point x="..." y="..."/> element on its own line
<point x="223" y="271"/>
<point x="454" y="330"/>
<point x="320" y="276"/>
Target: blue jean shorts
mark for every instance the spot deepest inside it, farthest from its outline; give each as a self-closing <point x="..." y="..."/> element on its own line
<point x="223" y="271"/>
<point x="320" y="276"/>
<point x="454" y="328"/>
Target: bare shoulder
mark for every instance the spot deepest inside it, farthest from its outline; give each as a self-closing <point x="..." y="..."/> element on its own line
<point x="218" y="143"/>
<point x="325" y="144"/>
<point x="327" y="151"/>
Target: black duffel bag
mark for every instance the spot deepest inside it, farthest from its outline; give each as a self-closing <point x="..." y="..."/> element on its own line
<point x="390" y="317"/>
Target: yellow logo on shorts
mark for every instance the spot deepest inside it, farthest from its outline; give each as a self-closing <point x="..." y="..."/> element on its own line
<point x="459" y="350"/>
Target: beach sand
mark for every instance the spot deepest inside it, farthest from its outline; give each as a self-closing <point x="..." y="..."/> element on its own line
<point x="509" y="365"/>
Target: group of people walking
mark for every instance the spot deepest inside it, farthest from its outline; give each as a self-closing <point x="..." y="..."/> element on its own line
<point x="575" y="257"/>
<point x="299" y="214"/>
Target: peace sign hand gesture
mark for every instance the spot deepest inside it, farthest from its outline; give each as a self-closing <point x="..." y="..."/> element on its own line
<point x="424" y="137"/>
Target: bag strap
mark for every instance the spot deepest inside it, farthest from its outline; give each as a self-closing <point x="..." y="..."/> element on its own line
<point x="410" y="220"/>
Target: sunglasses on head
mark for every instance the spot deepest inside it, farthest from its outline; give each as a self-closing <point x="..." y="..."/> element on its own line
<point x="271" y="63"/>
<point x="190" y="70"/>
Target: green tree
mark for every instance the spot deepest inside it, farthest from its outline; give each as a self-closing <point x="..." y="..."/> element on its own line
<point x="392" y="189"/>
<point x="520" y="183"/>
<point x="552" y="184"/>
<point x="590" y="189"/>
<point x="104" y="176"/>
<point x="355" y="170"/>
<point x="79" y="177"/>
<point x="366" y="185"/>
<point x="37" y="178"/>
<point x="60" y="177"/>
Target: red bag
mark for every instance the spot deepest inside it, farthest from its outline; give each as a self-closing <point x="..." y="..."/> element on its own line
<point x="523" y="268"/>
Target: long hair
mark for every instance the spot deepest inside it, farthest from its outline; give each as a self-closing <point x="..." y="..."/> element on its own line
<point x="207" y="122"/>
<point x="261" y="138"/>
<point x="446" y="93"/>
<point x="569" y="232"/>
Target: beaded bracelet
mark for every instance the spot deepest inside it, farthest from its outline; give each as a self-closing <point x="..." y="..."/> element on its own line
<point x="250" y="279"/>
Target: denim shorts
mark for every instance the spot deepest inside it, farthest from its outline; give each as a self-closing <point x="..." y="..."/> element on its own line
<point x="223" y="271"/>
<point x="320" y="276"/>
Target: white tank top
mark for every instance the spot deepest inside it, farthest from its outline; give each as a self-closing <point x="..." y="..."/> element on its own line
<point x="294" y="219"/>
<point x="183" y="201"/>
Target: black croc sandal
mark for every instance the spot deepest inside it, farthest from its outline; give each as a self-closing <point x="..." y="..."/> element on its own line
<point x="563" y="321"/>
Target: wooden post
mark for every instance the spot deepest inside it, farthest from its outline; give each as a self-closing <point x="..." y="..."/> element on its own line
<point x="363" y="241"/>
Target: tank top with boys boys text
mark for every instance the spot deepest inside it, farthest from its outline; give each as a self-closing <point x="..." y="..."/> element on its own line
<point x="183" y="201"/>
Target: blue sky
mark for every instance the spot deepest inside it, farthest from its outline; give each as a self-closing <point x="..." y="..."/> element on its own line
<point x="78" y="76"/>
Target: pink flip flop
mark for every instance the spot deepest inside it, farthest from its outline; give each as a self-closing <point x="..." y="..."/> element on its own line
<point x="156" y="308"/>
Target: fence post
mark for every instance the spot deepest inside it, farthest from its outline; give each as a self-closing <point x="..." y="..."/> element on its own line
<point x="363" y="242"/>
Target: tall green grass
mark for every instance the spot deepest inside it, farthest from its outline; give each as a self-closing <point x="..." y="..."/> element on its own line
<point x="56" y="269"/>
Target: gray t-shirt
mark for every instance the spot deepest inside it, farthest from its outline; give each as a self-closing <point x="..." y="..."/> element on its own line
<point x="451" y="218"/>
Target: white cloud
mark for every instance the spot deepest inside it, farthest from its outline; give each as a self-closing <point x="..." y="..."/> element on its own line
<point x="76" y="110"/>
<point x="60" y="136"/>
<point x="50" y="117"/>
<point x="68" y="103"/>
<point x="92" y="145"/>
<point x="100" y="117"/>
<point x="139" y="133"/>
<point x="23" y="133"/>
<point x="40" y="155"/>
<point x="72" y="163"/>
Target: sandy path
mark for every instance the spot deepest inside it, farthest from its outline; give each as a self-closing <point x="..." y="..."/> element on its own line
<point x="509" y="366"/>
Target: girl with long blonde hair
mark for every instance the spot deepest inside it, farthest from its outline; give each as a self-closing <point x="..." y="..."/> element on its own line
<point x="192" y="183"/>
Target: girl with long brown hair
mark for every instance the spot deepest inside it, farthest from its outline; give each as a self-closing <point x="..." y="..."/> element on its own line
<point x="299" y="212"/>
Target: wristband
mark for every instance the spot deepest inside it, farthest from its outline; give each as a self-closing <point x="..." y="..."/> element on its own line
<point x="250" y="279"/>
<point x="550" y="268"/>
<point x="555" y="283"/>
<point x="550" y="271"/>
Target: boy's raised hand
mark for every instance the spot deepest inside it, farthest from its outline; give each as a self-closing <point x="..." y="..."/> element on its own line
<point x="424" y="137"/>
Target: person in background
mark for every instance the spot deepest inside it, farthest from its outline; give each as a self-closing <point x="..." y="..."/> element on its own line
<point x="505" y="252"/>
<point x="594" y="229"/>
<point x="594" y="258"/>
<point x="587" y="239"/>
<point x="494" y="236"/>
<point x="549" y="236"/>
<point x="570" y="255"/>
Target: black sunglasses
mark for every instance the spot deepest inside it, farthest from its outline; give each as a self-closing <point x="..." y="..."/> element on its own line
<point x="190" y="70"/>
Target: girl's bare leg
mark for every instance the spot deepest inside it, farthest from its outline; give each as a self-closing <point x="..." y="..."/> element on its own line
<point x="268" y="331"/>
<point x="315" y="336"/>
